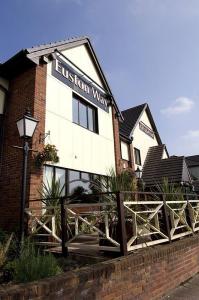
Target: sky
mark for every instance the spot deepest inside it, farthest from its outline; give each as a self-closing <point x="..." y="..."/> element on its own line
<point x="148" y="50"/>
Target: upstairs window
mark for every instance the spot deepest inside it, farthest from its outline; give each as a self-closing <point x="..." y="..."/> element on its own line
<point x="84" y="114"/>
<point x="125" y="151"/>
<point x="137" y="156"/>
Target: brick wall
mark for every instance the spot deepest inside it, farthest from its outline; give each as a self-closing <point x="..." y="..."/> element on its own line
<point x="26" y="90"/>
<point x="118" y="156"/>
<point x="144" y="275"/>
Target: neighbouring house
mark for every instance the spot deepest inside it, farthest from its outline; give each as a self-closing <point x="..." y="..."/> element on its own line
<point x="138" y="133"/>
<point x="193" y="165"/>
<point x="141" y="147"/>
<point x="65" y="89"/>
<point x="158" y="166"/>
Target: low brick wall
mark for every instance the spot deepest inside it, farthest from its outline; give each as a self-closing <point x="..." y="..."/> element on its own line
<point x="147" y="275"/>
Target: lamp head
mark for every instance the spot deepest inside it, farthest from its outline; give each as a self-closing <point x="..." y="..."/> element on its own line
<point x="27" y="125"/>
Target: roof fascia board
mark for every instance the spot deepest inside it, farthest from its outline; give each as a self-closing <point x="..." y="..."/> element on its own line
<point x="104" y="78"/>
<point x="153" y="124"/>
<point x="126" y="139"/>
<point x="131" y="134"/>
<point x="49" y="50"/>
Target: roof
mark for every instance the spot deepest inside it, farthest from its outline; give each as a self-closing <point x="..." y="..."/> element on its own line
<point x="131" y="117"/>
<point x="54" y="45"/>
<point x="30" y="56"/>
<point x="192" y="161"/>
<point x="155" y="168"/>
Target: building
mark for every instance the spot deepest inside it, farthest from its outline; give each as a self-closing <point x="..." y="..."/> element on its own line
<point x="65" y="89"/>
<point x="138" y="133"/>
<point x="141" y="147"/>
<point x="158" y="166"/>
<point x="193" y="165"/>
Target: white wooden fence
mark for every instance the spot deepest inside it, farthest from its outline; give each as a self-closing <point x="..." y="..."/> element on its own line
<point x="132" y="221"/>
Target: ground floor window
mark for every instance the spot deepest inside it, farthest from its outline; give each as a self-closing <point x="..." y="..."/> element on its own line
<point x="72" y="182"/>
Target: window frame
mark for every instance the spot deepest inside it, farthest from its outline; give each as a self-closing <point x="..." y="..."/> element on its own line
<point x="139" y="155"/>
<point x="67" y="170"/>
<point x="94" y="114"/>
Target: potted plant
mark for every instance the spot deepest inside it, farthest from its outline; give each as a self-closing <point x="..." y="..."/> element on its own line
<point x="49" y="154"/>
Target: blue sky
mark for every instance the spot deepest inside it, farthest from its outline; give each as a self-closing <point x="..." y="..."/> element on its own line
<point x="148" y="49"/>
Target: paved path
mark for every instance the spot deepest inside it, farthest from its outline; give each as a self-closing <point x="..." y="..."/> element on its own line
<point x="187" y="291"/>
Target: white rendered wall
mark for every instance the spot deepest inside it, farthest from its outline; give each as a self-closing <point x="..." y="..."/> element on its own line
<point x="165" y="155"/>
<point x="79" y="148"/>
<point x="81" y="57"/>
<point x="141" y="140"/>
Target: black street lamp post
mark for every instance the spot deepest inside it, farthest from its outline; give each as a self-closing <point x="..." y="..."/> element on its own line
<point x="26" y="127"/>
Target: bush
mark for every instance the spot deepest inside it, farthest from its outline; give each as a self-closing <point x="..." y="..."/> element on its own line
<point x="32" y="265"/>
<point x="4" y="247"/>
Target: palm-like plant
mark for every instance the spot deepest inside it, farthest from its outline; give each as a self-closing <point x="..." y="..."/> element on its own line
<point x="51" y="192"/>
<point x="171" y="190"/>
<point x="112" y="182"/>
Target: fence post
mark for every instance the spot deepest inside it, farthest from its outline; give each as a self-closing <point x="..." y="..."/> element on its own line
<point x="188" y="216"/>
<point x="166" y="217"/>
<point x="64" y="235"/>
<point x="121" y="223"/>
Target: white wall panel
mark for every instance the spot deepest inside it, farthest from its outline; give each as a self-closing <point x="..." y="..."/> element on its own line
<point x="81" y="57"/>
<point x="78" y="147"/>
<point x="141" y="140"/>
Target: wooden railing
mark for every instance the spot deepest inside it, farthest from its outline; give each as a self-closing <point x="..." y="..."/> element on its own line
<point x="118" y="222"/>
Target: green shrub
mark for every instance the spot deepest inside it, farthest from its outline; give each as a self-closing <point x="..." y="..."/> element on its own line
<point x="32" y="265"/>
<point x="4" y="247"/>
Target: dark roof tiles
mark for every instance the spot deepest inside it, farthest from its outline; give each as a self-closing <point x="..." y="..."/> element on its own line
<point x="131" y="117"/>
<point x="155" y="168"/>
<point x="192" y="160"/>
<point x="55" y="44"/>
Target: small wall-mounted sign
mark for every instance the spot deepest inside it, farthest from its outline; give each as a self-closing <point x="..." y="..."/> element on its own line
<point x="65" y="73"/>
<point x="146" y="129"/>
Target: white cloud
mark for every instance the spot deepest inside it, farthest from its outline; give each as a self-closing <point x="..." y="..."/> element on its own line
<point x="179" y="106"/>
<point x="192" y="134"/>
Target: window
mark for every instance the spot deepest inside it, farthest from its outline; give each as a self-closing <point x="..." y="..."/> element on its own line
<point x="61" y="177"/>
<point x="125" y="150"/>
<point x="84" y="114"/>
<point x="137" y="156"/>
<point x="75" y="183"/>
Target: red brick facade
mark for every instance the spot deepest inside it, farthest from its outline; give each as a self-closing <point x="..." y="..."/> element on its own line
<point x="118" y="157"/>
<point x="144" y="275"/>
<point x="26" y="90"/>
